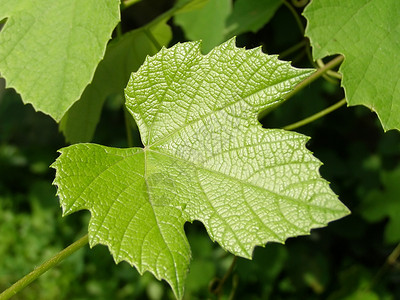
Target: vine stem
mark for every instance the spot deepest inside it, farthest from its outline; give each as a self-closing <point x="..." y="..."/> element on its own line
<point x="151" y="37"/>
<point x="314" y="76"/>
<point x="329" y="72"/>
<point x="168" y="14"/>
<point x="295" y="15"/>
<point x="300" y="26"/>
<point x="292" y="49"/>
<point x="390" y="262"/>
<point x="56" y="259"/>
<point x="316" y="116"/>
<point x="317" y="74"/>
<point x="217" y="291"/>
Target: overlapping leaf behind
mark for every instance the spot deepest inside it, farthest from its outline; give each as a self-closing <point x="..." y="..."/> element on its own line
<point x="367" y="33"/>
<point x="49" y="50"/>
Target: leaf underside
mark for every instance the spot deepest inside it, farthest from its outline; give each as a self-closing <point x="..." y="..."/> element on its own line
<point x="206" y="158"/>
<point x="49" y="49"/>
<point x="367" y="33"/>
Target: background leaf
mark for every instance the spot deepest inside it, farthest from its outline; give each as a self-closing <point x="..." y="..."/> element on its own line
<point x="250" y="15"/>
<point x="49" y="50"/>
<point x="367" y="33"/>
<point x="206" y="158"/>
<point x="207" y="23"/>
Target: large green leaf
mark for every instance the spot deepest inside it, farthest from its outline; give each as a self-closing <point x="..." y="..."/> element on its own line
<point x="206" y="158"/>
<point x="49" y="49"/>
<point x="123" y="56"/>
<point x="206" y="23"/>
<point x="367" y="33"/>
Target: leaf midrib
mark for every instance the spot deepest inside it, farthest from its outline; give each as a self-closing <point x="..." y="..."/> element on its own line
<point x="194" y="165"/>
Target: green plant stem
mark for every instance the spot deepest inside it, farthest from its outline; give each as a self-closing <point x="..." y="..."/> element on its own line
<point x="292" y="49"/>
<point x="390" y="262"/>
<point x="392" y="258"/>
<point x="314" y="76"/>
<point x="168" y="14"/>
<point x="317" y="74"/>
<point x="217" y="291"/>
<point x="334" y="74"/>
<point x="151" y="37"/>
<point x="235" y="283"/>
<point x="295" y="15"/>
<point x="27" y="279"/>
<point x="331" y="73"/>
<point x="301" y="27"/>
<point x="316" y="116"/>
<point x="299" y="57"/>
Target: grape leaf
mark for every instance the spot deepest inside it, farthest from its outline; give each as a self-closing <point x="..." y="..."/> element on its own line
<point x="123" y="56"/>
<point x="367" y="33"/>
<point x="250" y="15"/>
<point x="205" y="157"/>
<point x="49" y="49"/>
<point x="385" y="203"/>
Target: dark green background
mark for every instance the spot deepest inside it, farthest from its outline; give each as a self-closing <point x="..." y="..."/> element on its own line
<point x="345" y="260"/>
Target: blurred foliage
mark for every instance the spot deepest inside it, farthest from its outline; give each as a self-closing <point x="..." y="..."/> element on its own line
<point x="384" y="203"/>
<point x="346" y="260"/>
